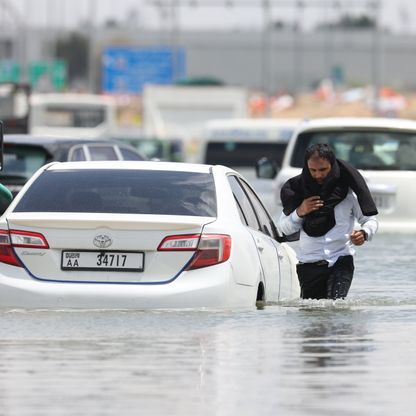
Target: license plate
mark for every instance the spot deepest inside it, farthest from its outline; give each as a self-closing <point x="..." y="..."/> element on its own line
<point x="384" y="202"/>
<point x="384" y="196"/>
<point x="118" y="261"/>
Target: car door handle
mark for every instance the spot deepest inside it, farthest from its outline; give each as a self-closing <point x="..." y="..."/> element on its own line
<point x="259" y="245"/>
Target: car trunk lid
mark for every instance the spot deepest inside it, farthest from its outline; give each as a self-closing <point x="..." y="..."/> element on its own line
<point x="77" y="244"/>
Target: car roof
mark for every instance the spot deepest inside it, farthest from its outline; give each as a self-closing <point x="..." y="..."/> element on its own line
<point x="138" y="165"/>
<point x="58" y="146"/>
<point x="79" y="99"/>
<point x="252" y="122"/>
<point x="49" y="140"/>
<point x="246" y="130"/>
<point x="358" y="122"/>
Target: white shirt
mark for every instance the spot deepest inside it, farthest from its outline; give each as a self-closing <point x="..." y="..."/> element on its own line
<point x="336" y="242"/>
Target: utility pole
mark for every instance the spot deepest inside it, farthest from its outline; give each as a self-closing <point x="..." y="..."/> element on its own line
<point x="265" y="50"/>
<point x="300" y="6"/>
<point x="298" y="49"/>
<point x="23" y="28"/>
<point x="174" y="38"/>
<point x="91" y="46"/>
<point x="19" y="52"/>
<point x="375" y="55"/>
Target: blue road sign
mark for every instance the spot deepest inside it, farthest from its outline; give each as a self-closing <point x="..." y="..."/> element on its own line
<point x="126" y="69"/>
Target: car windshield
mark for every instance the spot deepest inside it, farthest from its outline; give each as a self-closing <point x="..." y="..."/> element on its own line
<point x="242" y="154"/>
<point x="364" y="149"/>
<point x="22" y="161"/>
<point x="122" y="192"/>
<point x="75" y="116"/>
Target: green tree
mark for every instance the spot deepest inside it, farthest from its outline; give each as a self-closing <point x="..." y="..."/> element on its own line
<point x="350" y="22"/>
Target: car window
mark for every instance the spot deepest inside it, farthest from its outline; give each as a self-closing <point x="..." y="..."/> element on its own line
<point x="65" y="116"/>
<point x="151" y="148"/>
<point x="262" y="215"/>
<point x="102" y="152"/>
<point x="243" y="154"/>
<point x="122" y="191"/>
<point x="373" y="150"/>
<point x="129" y="154"/>
<point x="77" y="154"/>
<point x="22" y="161"/>
<point x="240" y="212"/>
<point x="243" y="203"/>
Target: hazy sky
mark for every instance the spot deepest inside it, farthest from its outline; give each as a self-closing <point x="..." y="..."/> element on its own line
<point x="397" y="15"/>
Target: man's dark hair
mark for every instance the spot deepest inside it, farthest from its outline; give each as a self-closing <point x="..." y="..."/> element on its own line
<point x="320" y="151"/>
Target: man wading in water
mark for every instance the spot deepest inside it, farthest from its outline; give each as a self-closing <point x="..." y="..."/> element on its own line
<point x="323" y="203"/>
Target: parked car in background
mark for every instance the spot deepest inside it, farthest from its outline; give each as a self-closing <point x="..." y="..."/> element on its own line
<point x="141" y="235"/>
<point x="384" y="150"/>
<point x="239" y="143"/>
<point x="72" y="115"/>
<point x="24" y="154"/>
<point x="165" y="149"/>
<point x="15" y="106"/>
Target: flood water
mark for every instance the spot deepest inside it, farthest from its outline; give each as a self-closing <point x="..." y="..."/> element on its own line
<point x="346" y="357"/>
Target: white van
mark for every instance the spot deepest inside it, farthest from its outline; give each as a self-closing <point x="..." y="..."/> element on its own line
<point x="384" y="150"/>
<point x="70" y="114"/>
<point x="239" y="143"/>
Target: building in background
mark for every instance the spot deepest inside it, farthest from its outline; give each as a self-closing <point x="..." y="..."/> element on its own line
<point x="296" y="62"/>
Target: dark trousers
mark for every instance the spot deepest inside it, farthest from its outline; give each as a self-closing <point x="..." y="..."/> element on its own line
<point x="318" y="281"/>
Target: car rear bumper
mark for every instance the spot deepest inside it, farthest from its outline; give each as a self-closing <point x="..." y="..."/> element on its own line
<point x="195" y="289"/>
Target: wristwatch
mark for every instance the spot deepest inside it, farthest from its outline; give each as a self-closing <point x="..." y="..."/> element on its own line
<point x="365" y="235"/>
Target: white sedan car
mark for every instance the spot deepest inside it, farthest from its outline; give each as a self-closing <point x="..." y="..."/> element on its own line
<point x="383" y="149"/>
<point x="140" y="235"/>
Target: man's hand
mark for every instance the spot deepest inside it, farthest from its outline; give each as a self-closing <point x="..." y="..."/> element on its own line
<point x="357" y="238"/>
<point x="311" y="204"/>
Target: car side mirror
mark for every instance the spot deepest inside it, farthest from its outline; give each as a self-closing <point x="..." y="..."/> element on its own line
<point x="288" y="238"/>
<point x="1" y="145"/>
<point x="6" y="197"/>
<point x="283" y="238"/>
<point x="266" y="168"/>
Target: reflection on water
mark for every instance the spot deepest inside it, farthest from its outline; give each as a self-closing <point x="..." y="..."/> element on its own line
<point x="343" y="357"/>
<point x="332" y="342"/>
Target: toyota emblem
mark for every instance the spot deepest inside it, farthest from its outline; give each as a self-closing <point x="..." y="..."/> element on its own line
<point x="102" y="241"/>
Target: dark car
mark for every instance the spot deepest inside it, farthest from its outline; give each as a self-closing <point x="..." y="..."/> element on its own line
<point x="24" y="154"/>
<point x="166" y="149"/>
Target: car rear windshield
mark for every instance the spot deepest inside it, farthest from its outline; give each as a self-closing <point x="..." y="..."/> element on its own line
<point x="122" y="192"/>
<point x="364" y="149"/>
<point x="243" y="154"/>
<point x="22" y="161"/>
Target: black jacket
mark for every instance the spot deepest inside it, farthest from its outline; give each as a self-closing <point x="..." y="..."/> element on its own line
<point x="334" y="189"/>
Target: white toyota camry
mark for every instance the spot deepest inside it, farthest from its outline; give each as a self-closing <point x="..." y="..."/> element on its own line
<point x="141" y="235"/>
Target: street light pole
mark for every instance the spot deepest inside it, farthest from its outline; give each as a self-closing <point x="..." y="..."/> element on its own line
<point x="91" y="46"/>
<point x="265" y="49"/>
<point x="174" y="39"/>
<point x="375" y="56"/>
<point x="298" y="49"/>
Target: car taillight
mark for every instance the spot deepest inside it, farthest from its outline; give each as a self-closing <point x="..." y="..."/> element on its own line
<point x="6" y="252"/>
<point x="209" y="249"/>
<point x="28" y="239"/>
<point x="185" y="242"/>
<point x="14" y="238"/>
